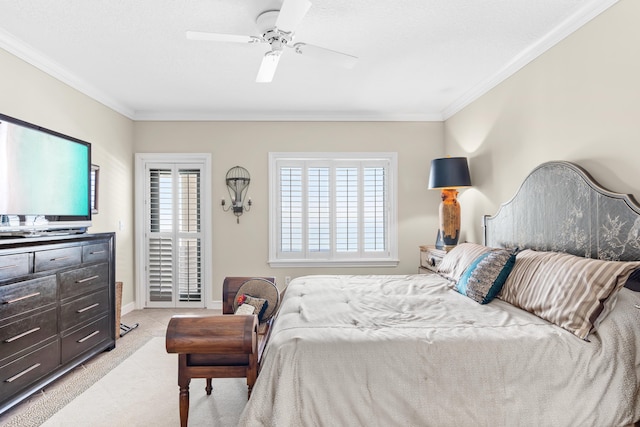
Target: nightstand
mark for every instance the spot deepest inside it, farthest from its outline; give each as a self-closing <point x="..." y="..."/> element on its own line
<point x="430" y="258"/>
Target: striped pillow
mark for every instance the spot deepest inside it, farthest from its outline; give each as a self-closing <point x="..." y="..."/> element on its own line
<point x="456" y="261"/>
<point x="566" y="290"/>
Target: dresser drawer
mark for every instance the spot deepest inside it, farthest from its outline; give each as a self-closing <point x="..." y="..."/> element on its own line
<point x="15" y="265"/>
<point x="54" y="259"/>
<point x="98" y="252"/>
<point x="428" y="260"/>
<point x="85" y="338"/>
<point x="21" y="297"/>
<point x="26" y="332"/>
<point x="22" y="372"/>
<point x="83" y="309"/>
<point x="83" y="280"/>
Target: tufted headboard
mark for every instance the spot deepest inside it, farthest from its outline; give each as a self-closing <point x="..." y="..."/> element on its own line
<point x="560" y="207"/>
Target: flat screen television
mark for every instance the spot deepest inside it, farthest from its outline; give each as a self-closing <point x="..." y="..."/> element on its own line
<point x="45" y="180"/>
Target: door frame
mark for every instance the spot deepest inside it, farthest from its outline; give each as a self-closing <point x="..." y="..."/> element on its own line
<point x="141" y="159"/>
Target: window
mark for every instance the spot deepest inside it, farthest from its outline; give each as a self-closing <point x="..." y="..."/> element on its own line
<point x="332" y="209"/>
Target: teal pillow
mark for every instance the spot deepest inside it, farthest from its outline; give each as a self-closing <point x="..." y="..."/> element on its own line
<point x="482" y="281"/>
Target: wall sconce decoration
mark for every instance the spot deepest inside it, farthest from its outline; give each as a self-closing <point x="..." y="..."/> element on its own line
<point x="448" y="174"/>
<point x="237" y="180"/>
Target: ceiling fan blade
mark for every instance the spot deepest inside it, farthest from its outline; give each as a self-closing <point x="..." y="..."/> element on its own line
<point x="291" y="13"/>
<point x="327" y="55"/>
<point x="268" y="67"/>
<point x="198" y="35"/>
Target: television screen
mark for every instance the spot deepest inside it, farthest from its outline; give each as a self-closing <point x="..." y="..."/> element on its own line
<point x="44" y="178"/>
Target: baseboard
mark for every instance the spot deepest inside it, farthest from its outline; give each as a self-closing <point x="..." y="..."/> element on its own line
<point x="127" y="308"/>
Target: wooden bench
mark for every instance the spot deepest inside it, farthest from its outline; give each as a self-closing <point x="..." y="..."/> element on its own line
<point x="219" y="346"/>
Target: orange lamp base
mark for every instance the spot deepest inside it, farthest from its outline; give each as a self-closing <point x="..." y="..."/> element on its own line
<point x="449" y="216"/>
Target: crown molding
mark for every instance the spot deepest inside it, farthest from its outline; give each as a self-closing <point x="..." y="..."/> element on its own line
<point x="284" y="116"/>
<point x="563" y="30"/>
<point x="27" y="53"/>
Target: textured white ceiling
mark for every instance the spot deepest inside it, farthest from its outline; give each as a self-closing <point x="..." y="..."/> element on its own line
<point x="418" y="59"/>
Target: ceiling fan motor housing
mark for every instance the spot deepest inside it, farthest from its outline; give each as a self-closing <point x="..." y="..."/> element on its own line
<point x="270" y="33"/>
<point x="276" y="38"/>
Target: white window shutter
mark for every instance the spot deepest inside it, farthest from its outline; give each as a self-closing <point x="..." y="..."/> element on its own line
<point x="333" y="209"/>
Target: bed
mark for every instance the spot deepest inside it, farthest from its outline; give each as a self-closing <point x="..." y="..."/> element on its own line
<point x="557" y="344"/>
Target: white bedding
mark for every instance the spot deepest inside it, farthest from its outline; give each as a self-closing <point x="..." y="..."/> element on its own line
<point x="409" y="351"/>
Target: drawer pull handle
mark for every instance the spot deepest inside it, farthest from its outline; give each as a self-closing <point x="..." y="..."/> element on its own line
<point x="87" y="279"/>
<point x="11" y="301"/>
<point x="92" y="334"/>
<point x="7" y="267"/>
<point x="16" y="376"/>
<point x="96" y="252"/>
<point x="24" y="334"/>
<point x="82" y="310"/>
<point x="62" y="258"/>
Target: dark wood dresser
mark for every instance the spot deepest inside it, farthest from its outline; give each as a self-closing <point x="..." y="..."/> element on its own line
<point x="57" y="308"/>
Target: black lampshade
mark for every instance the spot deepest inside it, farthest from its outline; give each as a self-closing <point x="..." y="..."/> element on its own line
<point x="449" y="172"/>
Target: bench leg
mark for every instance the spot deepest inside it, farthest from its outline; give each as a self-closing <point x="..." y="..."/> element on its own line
<point x="251" y="380"/>
<point x="183" y="383"/>
<point x="208" y="387"/>
<point x="252" y="372"/>
<point x="184" y="405"/>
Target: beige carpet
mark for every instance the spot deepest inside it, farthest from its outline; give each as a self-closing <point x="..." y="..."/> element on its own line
<point x="143" y="391"/>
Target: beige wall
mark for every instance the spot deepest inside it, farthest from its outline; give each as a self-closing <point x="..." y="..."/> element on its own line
<point x="242" y="249"/>
<point x="580" y="102"/>
<point x="238" y="249"/>
<point x="577" y="102"/>
<point x="33" y="96"/>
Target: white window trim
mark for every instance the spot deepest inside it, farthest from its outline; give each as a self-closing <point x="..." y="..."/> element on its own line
<point x="141" y="159"/>
<point x="387" y="261"/>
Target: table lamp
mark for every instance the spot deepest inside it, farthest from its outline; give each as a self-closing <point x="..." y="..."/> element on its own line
<point x="448" y="174"/>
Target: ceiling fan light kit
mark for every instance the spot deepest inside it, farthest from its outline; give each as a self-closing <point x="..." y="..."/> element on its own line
<point x="277" y="29"/>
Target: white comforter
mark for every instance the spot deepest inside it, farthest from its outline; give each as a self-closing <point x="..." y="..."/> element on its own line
<point x="409" y="351"/>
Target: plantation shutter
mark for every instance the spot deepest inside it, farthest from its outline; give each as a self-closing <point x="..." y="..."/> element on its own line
<point x="318" y="210"/>
<point x="347" y="209"/>
<point x="160" y="265"/>
<point x="374" y="209"/>
<point x="189" y="262"/>
<point x="174" y="240"/>
<point x="291" y="209"/>
<point x="332" y="209"/>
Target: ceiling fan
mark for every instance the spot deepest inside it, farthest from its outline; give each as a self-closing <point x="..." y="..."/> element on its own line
<point x="277" y="29"/>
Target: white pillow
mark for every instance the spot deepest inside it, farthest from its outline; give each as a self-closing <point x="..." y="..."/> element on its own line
<point x="245" y="309"/>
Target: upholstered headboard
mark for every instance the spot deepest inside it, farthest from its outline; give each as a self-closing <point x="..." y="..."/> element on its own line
<point x="560" y="207"/>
